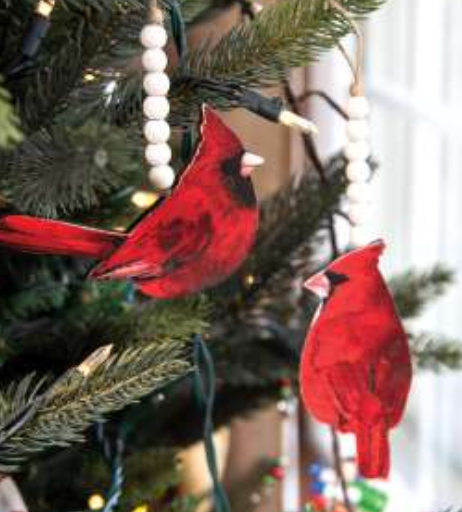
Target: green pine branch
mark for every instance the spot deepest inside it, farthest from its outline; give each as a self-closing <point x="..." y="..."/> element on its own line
<point x="303" y="205"/>
<point x="267" y="316"/>
<point x="59" y="171"/>
<point x="84" y="37"/>
<point x="10" y="133"/>
<point x="77" y="401"/>
<point x="284" y="35"/>
<point x="76" y="315"/>
<point x="47" y="176"/>
<point x="287" y="34"/>
<point x="414" y="290"/>
<point x="435" y="352"/>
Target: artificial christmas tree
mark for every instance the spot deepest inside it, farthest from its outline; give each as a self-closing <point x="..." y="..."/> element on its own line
<point x="74" y="75"/>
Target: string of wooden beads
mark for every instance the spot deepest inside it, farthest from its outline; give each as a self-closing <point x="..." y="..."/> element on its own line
<point x="357" y="152"/>
<point x="156" y="106"/>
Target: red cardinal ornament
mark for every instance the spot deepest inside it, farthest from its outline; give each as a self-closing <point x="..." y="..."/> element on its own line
<point x="190" y="240"/>
<point x="355" y="368"/>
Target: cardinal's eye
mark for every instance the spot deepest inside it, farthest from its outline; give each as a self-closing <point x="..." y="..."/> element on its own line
<point x="335" y="278"/>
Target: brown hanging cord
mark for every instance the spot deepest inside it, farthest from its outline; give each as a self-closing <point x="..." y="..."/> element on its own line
<point x="357" y="87"/>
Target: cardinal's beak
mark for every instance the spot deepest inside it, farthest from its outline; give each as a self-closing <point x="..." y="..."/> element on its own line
<point x="318" y="284"/>
<point x="249" y="162"/>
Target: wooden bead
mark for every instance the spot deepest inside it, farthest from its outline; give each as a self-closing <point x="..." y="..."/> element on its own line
<point x="358" y="237"/>
<point x="158" y="154"/>
<point x="156" y="84"/>
<point x="357" y="107"/>
<point x="162" y="177"/>
<point x="357" y="151"/>
<point x="156" y="107"/>
<point x="358" y="171"/>
<point x="153" y="36"/>
<point x="359" y="193"/>
<point x="157" y="131"/>
<point x="154" y="59"/>
<point x="357" y="129"/>
<point x="359" y="214"/>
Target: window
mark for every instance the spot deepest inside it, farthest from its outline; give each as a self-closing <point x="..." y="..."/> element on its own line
<point x="414" y="79"/>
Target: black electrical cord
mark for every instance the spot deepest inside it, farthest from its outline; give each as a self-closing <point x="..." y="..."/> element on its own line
<point x="36" y="31"/>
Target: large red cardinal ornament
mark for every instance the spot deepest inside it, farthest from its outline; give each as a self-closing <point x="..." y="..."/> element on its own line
<point x="355" y="369"/>
<point x="190" y="240"/>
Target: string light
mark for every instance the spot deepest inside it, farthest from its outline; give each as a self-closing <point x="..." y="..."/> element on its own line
<point x="257" y="7"/>
<point x="249" y="280"/>
<point x="143" y="199"/>
<point x="141" y="508"/>
<point x="44" y="8"/>
<point x="96" y="502"/>
<point x="94" y="360"/>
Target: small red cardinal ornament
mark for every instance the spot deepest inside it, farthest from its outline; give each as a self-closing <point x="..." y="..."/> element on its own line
<point x="355" y="368"/>
<point x="190" y="240"/>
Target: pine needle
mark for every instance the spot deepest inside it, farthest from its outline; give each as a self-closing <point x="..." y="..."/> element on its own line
<point x="414" y="290"/>
<point x="436" y="353"/>
<point x="77" y="402"/>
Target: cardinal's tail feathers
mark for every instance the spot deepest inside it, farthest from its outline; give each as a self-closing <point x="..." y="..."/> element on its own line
<point x="44" y="236"/>
<point x="373" y="451"/>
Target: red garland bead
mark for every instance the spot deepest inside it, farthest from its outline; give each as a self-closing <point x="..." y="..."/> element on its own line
<point x="318" y="502"/>
<point x="277" y="472"/>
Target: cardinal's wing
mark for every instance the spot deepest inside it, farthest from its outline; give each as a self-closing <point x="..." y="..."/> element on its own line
<point x="375" y="385"/>
<point x="155" y="251"/>
<point x="338" y="339"/>
<point x="393" y="373"/>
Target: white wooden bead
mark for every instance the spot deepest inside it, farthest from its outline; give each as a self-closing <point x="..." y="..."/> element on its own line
<point x="359" y="214"/>
<point x="357" y="129"/>
<point x="156" y="84"/>
<point x="358" y="150"/>
<point x="156" y="107"/>
<point x="157" y="131"/>
<point x="358" y="236"/>
<point x="359" y="193"/>
<point x="158" y="154"/>
<point x="358" y="171"/>
<point x="357" y="107"/>
<point x="153" y="36"/>
<point x="154" y="59"/>
<point x="162" y="177"/>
